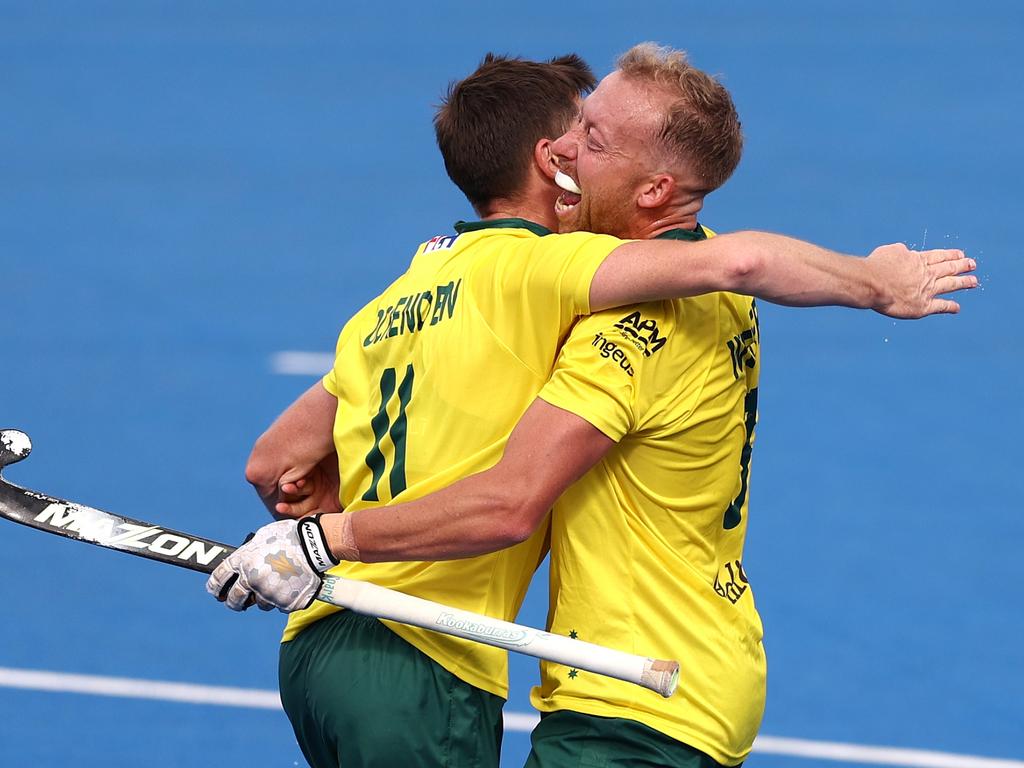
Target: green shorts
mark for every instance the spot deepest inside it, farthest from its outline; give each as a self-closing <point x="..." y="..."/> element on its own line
<point x="358" y="695"/>
<point x="565" y="739"/>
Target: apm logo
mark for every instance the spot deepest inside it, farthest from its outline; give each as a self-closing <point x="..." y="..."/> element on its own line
<point x="643" y="334"/>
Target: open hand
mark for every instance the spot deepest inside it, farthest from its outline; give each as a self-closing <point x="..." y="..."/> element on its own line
<point x="911" y="282"/>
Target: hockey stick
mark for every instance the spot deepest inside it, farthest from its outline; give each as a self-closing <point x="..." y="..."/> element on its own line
<point x="77" y="521"/>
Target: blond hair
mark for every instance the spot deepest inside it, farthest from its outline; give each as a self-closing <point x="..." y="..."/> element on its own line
<point x="700" y="125"/>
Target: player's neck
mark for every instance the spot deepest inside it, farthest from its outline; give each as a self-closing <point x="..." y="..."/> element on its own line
<point x="657" y="221"/>
<point x="517" y="209"/>
<point x="534" y="201"/>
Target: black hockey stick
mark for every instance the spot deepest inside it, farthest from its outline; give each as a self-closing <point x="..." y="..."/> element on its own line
<point x="105" y="529"/>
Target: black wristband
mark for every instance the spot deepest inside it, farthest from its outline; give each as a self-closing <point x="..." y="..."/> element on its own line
<point x="314" y="544"/>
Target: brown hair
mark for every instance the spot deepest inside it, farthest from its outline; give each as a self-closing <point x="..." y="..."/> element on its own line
<point x="489" y="123"/>
<point x="701" y="125"/>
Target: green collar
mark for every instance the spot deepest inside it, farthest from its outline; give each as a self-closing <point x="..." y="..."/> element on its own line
<point x="684" y="234"/>
<point x="472" y="226"/>
<point x="514" y="223"/>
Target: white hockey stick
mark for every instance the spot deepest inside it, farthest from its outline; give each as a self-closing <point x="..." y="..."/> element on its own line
<point x="660" y="676"/>
<point x="77" y="521"/>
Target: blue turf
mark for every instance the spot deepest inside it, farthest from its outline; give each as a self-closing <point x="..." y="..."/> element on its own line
<point x="187" y="188"/>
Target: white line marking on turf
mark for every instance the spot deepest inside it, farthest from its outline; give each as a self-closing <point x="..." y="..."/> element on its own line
<point x="253" y="698"/>
<point x="860" y="753"/>
<point x="132" y="688"/>
<point x="293" y="363"/>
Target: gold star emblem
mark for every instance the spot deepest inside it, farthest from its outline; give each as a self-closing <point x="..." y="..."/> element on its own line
<point x="282" y="565"/>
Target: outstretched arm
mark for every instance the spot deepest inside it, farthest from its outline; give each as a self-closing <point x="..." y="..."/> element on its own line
<point x="893" y="280"/>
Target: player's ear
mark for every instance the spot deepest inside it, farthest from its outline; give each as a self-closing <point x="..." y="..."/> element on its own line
<point x="545" y="158"/>
<point x="656" y="191"/>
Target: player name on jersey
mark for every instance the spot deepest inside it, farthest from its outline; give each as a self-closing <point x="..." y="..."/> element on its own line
<point x="410" y="314"/>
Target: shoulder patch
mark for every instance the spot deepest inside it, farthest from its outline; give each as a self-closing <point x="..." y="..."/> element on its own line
<point x="439" y="243"/>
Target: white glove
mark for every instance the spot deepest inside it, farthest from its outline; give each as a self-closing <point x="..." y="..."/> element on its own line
<point x="278" y="567"/>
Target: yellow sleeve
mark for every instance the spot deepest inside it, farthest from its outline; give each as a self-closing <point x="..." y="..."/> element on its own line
<point x="556" y="273"/>
<point x="598" y="373"/>
<point x="330" y="381"/>
<point x="569" y="262"/>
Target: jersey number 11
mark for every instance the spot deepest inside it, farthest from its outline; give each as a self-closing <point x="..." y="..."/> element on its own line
<point x="382" y="425"/>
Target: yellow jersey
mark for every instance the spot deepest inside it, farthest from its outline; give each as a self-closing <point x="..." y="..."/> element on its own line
<point x="431" y="377"/>
<point x="647" y="547"/>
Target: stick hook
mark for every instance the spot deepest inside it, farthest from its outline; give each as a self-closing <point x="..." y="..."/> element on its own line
<point x="15" y="445"/>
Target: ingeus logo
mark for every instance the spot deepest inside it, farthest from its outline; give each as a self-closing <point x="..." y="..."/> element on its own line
<point x="611" y="349"/>
<point x="102" y="528"/>
<point x="478" y="629"/>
